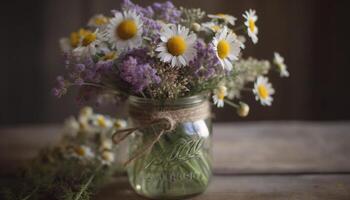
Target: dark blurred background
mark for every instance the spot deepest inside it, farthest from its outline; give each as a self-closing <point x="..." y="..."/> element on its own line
<point x="312" y="35"/>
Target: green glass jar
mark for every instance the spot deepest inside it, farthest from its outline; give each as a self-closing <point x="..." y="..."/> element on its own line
<point x="179" y="163"/>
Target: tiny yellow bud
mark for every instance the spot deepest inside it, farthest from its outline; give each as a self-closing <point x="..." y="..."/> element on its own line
<point x="86" y="111"/>
<point x="242" y="109"/>
<point x="107" y="157"/>
<point x="106" y="144"/>
<point x="196" y="27"/>
<point x="120" y="123"/>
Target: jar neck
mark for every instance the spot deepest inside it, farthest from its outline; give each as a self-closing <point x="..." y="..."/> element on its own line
<point x="177" y="103"/>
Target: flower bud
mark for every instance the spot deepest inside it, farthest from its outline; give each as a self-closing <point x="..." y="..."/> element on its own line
<point x="242" y="109"/>
<point x="107" y="157"/>
<point x="196" y="27"/>
<point x="86" y="111"/>
<point x="120" y="123"/>
<point x="106" y="144"/>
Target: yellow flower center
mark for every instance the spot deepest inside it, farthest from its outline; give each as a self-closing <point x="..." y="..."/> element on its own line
<point x="80" y="151"/>
<point x="251" y="25"/>
<point x="215" y="28"/>
<point x="222" y="16"/>
<point x="263" y="93"/>
<point x="110" y="56"/>
<point x="89" y="38"/>
<point x="74" y="39"/>
<point x="223" y="49"/>
<point x="101" y="20"/>
<point x="221" y="92"/>
<point x="221" y="95"/>
<point x="127" y="29"/>
<point x="101" y="121"/>
<point x="176" y="45"/>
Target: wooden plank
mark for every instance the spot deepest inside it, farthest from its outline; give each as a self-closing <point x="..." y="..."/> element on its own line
<point x="255" y="161"/>
<point x="265" y="147"/>
<point x="279" y="147"/>
<point x="256" y="187"/>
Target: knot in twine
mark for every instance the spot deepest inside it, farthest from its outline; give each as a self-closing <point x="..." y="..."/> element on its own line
<point x="165" y="118"/>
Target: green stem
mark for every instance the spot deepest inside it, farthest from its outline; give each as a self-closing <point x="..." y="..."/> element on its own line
<point x="31" y="194"/>
<point x="87" y="184"/>
<point x="231" y="103"/>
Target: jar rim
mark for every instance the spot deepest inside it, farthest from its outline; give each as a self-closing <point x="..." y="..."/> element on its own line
<point x="189" y="100"/>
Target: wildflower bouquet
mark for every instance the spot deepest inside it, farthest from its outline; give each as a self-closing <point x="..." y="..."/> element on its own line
<point x="166" y="61"/>
<point x="56" y="173"/>
<point x="162" y="52"/>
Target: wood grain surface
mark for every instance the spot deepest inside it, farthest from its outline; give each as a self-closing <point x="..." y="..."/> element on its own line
<point x="261" y="160"/>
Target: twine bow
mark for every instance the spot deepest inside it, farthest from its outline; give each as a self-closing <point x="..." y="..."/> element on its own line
<point x="165" y="120"/>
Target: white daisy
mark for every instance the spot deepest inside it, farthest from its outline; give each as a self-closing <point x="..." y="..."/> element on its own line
<point x="281" y="66"/>
<point x="102" y="121"/>
<point x="227" y="18"/>
<point x="177" y="45"/>
<point x="88" y="44"/>
<point x="73" y="41"/>
<point x="120" y="123"/>
<point x="83" y="152"/>
<point x="124" y="31"/>
<point x="219" y="95"/>
<point x="263" y="91"/>
<point x="84" y="118"/>
<point x="252" y="29"/>
<point x="98" y="21"/>
<point x="227" y="48"/>
<point x="107" y="157"/>
<point x="211" y="26"/>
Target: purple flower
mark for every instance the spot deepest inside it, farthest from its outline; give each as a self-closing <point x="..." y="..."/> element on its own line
<point x="144" y="12"/>
<point x="167" y="11"/>
<point x="139" y="75"/>
<point x="61" y="87"/>
<point x="87" y="71"/>
<point x="206" y="63"/>
<point x="79" y="67"/>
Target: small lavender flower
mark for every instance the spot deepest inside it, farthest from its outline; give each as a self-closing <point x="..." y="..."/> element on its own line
<point x="144" y="12"/>
<point x="79" y="67"/>
<point x="138" y="75"/>
<point x="167" y="11"/>
<point x="206" y="63"/>
<point x="85" y="71"/>
<point x="61" y="87"/>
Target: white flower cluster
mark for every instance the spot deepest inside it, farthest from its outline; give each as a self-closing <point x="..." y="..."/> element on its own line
<point x="88" y="138"/>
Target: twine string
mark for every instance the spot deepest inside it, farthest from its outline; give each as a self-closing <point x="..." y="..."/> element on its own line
<point x="166" y="118"/>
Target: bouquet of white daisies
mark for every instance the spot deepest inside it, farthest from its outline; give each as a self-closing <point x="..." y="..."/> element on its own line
<point x="162" y="52"/>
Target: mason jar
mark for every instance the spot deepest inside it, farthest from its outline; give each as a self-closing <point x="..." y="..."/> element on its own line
<point x="173" y="159"/>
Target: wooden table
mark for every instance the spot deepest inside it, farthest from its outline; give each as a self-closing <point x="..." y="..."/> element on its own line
<point x="255" y="161"/>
